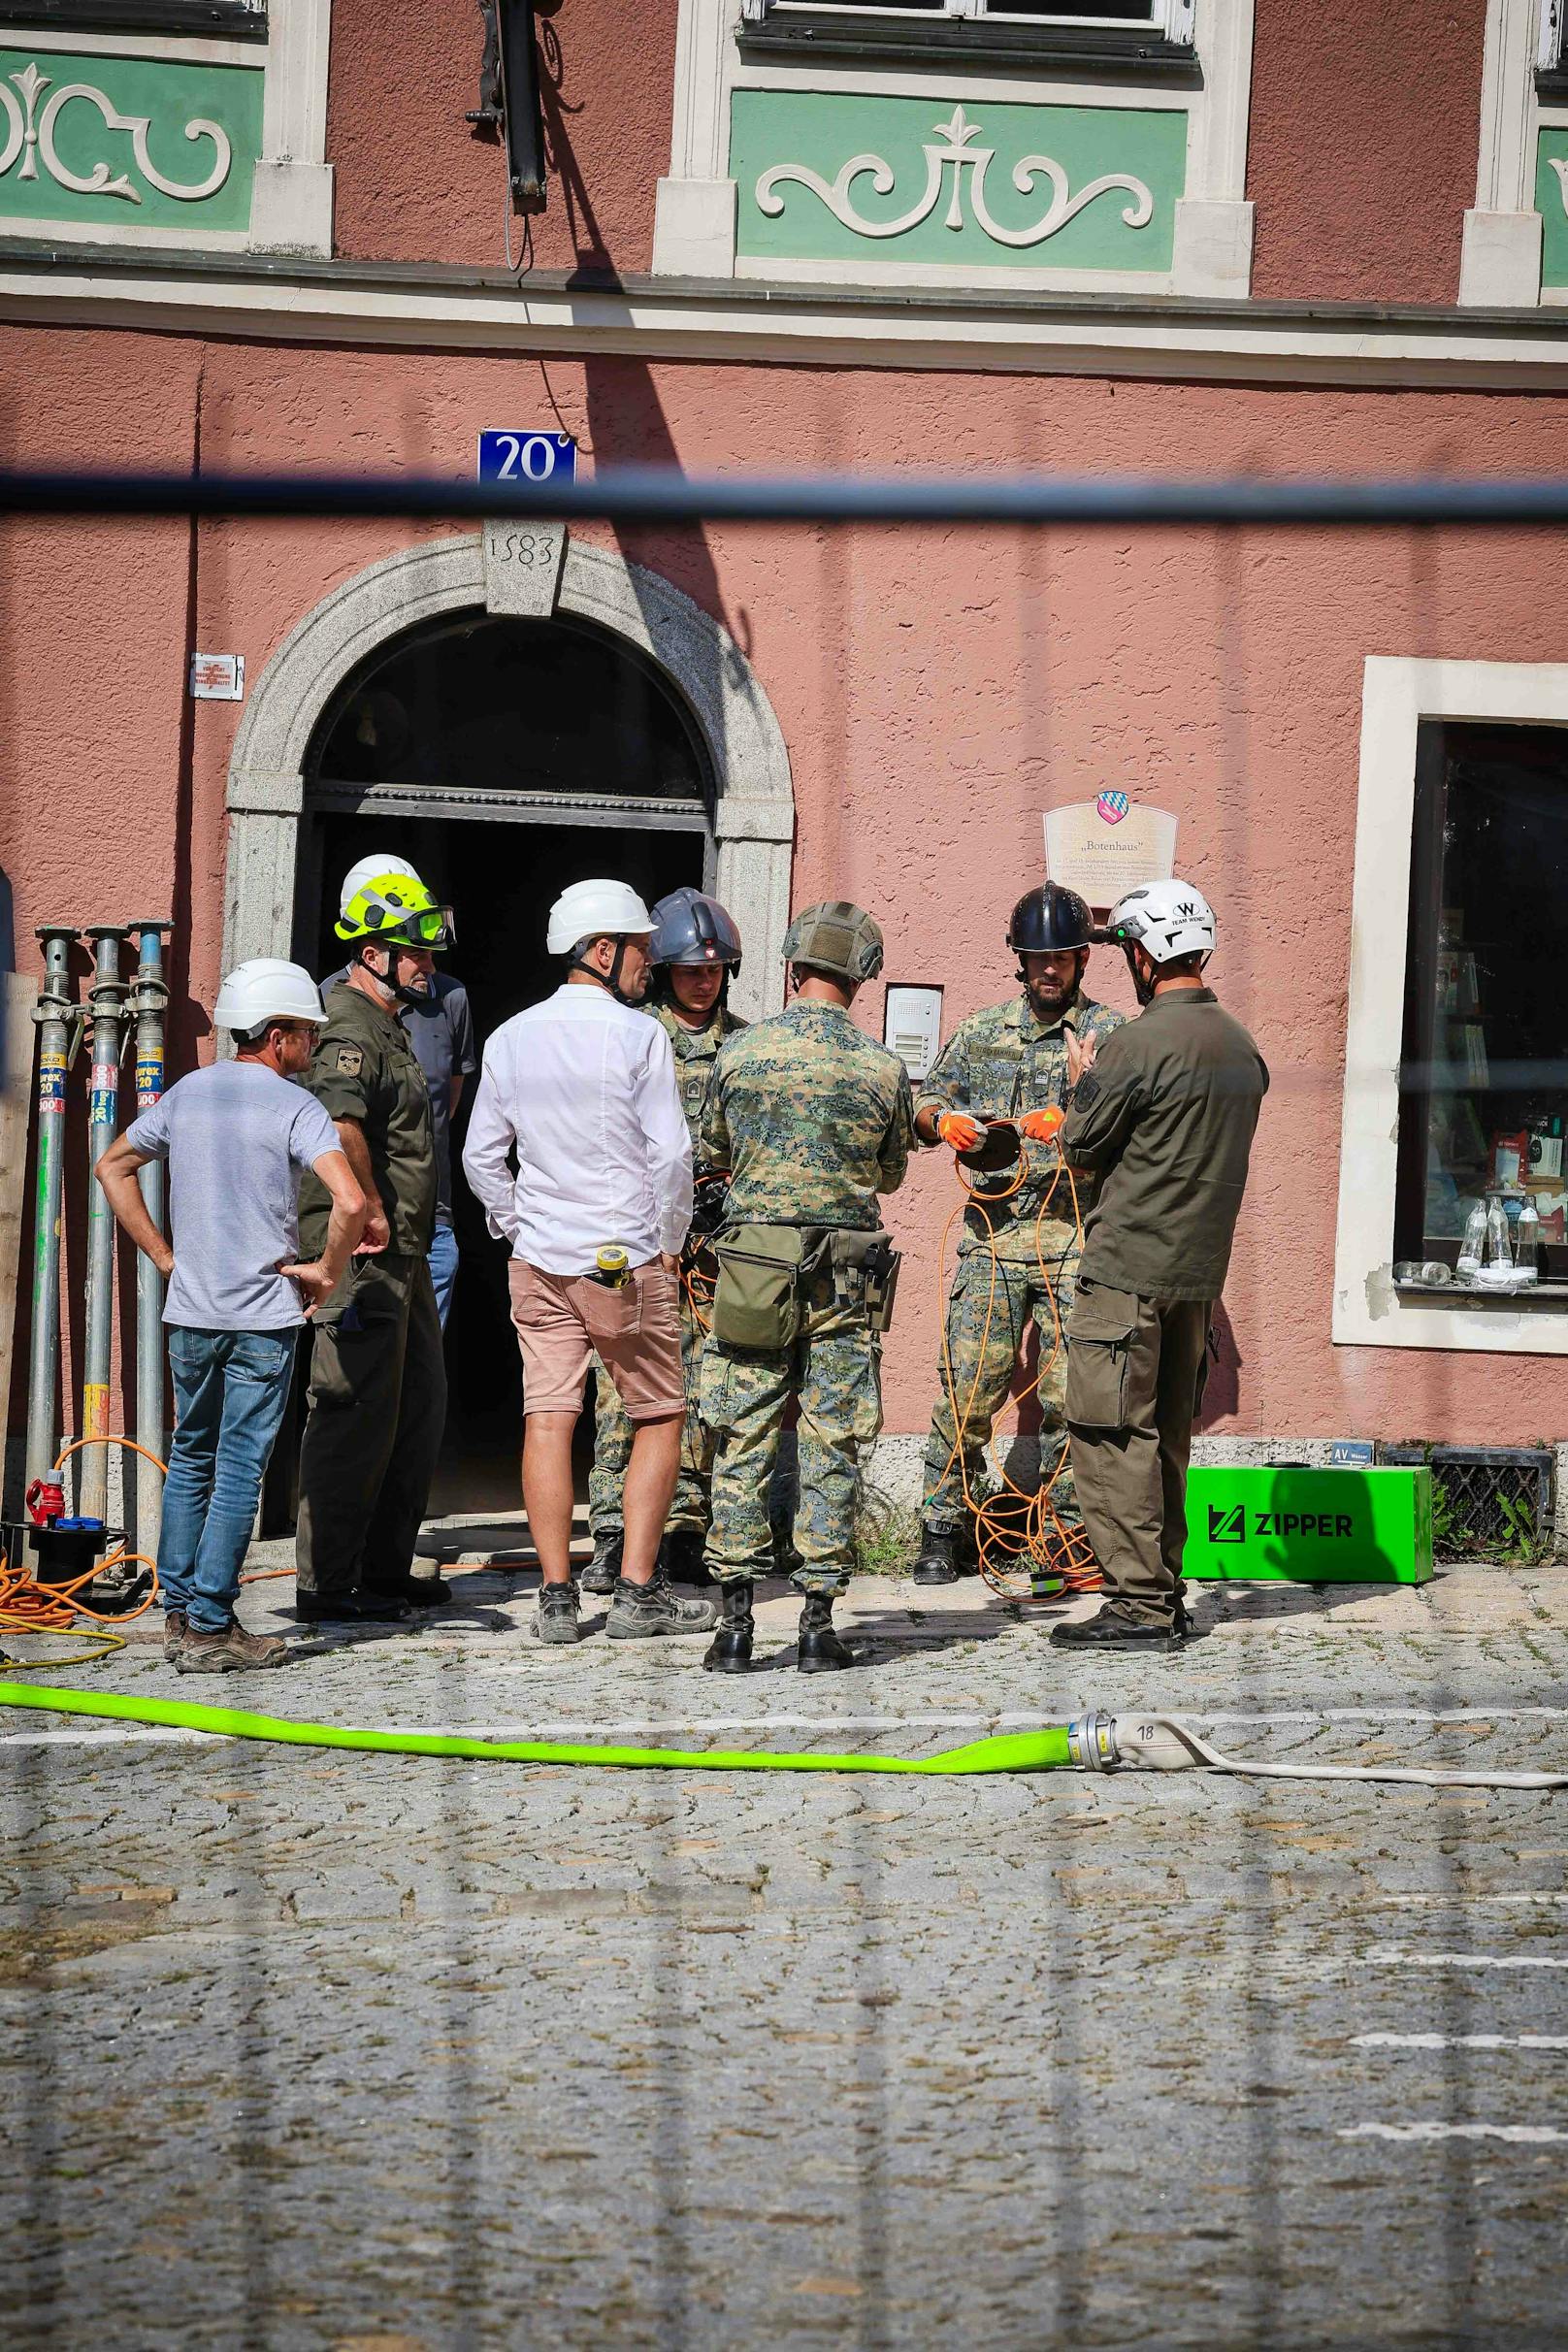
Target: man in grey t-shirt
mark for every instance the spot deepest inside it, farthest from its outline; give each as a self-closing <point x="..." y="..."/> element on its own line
<point x="237" y="1136"/>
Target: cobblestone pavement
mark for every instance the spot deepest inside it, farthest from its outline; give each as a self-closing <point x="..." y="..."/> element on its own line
<point x="340" y="2050"/>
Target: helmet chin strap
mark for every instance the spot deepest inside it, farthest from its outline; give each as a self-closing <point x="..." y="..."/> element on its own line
<point x="611" y="980"/>
<point x="389" y="978"/>
<point x="1143" y="989"/>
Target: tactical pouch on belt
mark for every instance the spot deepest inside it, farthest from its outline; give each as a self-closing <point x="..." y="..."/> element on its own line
<point x="757" y="1303"/>
<point x="865" y="1270"/>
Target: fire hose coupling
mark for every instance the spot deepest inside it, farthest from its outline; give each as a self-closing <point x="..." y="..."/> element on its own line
<point x="1092" y="1743"/>
<point x="1146" y="1743"/>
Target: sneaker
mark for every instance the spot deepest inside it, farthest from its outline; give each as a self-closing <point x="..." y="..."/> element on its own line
<point x="174" y="1633"/>
<point x="231" y="1652"/>
<point x="638" y="1611"/>
<point x="555" y="1620"/>
<point x="602" y="1572"/>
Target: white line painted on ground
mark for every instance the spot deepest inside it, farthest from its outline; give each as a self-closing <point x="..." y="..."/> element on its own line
<point x="1527" y="2135"/>
<point x="1464" y="1902"/>
<point x="1390" y="1956"/>
<point x="1460" y="2042"/>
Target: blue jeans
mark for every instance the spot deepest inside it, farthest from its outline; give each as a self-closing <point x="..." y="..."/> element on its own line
<point x="230" y="1392"/>
<point x="444" y="1269"/>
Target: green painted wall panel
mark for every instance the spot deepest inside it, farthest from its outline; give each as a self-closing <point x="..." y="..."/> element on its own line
<point x="912" y="172"/>
<point x="1308" y="1526"/>
<point x="138" y="129"/>
<point x="1551" y="203"/>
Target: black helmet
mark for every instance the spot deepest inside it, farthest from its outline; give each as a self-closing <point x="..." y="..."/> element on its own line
<point x="1049" y="922"/>
<point x="691" y="928"/>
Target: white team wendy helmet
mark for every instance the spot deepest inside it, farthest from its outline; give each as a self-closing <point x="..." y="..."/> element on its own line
<point x="596" y="910"/>
<point x="370" y="869"/>
<point x="1165" y="919"/>
<point x="265" y="989"/>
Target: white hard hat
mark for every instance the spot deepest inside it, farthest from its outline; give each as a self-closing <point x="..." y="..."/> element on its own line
<point x="267" y="988"/>
<point x="1165" y="919"/>
<point x="595" y="910"/>
<point x="370" y="870"/>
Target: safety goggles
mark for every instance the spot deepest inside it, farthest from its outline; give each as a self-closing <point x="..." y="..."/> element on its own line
<point x="435" y="928"/>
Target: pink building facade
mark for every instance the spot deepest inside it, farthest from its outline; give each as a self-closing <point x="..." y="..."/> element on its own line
<point x="1153" y="237"/>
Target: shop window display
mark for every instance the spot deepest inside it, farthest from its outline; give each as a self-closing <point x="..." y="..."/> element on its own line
<point x="1483" y="1192"/>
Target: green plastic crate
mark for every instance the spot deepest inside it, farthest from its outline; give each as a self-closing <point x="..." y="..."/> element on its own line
<point x="1308" y="1526"/>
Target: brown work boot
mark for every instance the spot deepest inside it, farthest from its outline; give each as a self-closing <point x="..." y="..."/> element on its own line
<point x="231" y="1652"/>
<point x="174" y="1633"/>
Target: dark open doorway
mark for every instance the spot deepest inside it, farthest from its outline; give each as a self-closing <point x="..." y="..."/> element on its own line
<point x="504" y="732"/>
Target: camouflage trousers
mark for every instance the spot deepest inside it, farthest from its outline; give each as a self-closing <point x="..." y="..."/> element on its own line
<point x="982" y="1349"/>
<point x="612" y="1443"/>
<point x="835" y="1370"/>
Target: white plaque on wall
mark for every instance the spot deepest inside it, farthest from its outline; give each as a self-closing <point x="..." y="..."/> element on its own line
<point x="1101" y="848"/>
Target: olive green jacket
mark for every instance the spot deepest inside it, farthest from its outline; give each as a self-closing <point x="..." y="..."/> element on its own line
<point x="1167" y="1114"/>
<point x="365" y="1068"/>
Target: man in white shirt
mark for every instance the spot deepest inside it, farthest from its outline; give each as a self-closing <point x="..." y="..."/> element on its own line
<point x="582" y="1088"/>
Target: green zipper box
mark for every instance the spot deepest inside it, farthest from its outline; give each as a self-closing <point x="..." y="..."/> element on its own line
<point x="1274" y="1526"/>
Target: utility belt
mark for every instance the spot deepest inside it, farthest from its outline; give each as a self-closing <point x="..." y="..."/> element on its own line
<point x="766" y="1271"/>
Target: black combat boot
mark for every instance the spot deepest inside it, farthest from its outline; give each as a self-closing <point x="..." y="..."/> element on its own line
<point x="730" y="1651"/>
<point x="680" y="1556"/>
<point x="604" y="1571"/>
<point x="938" y="1561"/>
<point x="819" y="1649"/>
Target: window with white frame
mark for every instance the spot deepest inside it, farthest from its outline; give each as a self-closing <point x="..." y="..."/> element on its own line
<point x="221" y="20"/>
<point x="1087" y="32"/>
<point x="1551" y="66"/>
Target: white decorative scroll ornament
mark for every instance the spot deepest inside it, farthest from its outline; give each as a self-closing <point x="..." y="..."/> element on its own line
<point x="1559" y="164"/>
<point x="952" y="147"/>
<point x="31" y="135"/>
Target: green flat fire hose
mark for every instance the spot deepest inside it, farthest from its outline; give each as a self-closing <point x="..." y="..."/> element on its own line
<point x="1090" y="1742"/>
<point x="1012" y="1752"/>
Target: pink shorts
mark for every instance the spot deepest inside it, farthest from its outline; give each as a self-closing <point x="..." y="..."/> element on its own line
<point x="563" y="1320"/>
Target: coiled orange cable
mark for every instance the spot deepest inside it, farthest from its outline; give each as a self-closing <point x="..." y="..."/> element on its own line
<point x="1012" y="1523"/>
<point x="28" y="1606"/>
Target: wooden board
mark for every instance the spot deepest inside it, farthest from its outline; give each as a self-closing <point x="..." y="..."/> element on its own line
<point x="16" y="1109"/>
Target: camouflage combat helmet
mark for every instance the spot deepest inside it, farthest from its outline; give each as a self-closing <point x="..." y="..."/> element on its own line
<point x="837" y="939"/>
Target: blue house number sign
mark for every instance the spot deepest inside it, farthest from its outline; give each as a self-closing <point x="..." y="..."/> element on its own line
<point x="527" y="457"/>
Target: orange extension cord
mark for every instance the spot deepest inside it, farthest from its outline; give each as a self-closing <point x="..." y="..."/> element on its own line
<point x="1013" y="1525"/>
<point x="28" y="1606"/>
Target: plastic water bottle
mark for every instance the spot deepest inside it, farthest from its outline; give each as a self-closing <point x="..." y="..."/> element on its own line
<point x="1529" y="1243"/>
<point x="1500" y="1249"/>
<point x="1473" y="1248"/>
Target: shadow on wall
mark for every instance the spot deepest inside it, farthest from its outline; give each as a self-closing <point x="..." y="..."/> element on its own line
<point x="625" y="418"/>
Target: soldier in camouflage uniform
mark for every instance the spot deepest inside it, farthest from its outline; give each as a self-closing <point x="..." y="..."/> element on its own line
<point x="695" y="948"/>
<point x="1007" y="1063"/>
<point x="814" y="1120"/>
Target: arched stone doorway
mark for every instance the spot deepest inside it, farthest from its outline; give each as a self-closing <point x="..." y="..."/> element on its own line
<point x="507" y="740"/>
<point x="752" y="818"/>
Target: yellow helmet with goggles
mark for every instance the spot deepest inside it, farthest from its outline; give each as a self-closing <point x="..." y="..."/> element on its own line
<point x="396" y="910"/>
